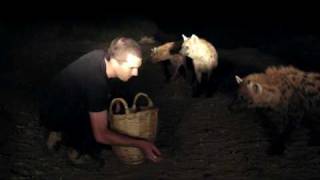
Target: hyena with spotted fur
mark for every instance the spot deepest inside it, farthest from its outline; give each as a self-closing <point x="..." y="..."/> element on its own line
<point x="203" y="54"/>
<point x="287" y="96"/>
<point x="204" y="59"/>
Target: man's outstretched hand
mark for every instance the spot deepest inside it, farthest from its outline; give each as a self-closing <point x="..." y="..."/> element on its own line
<point x="151" y="152"/>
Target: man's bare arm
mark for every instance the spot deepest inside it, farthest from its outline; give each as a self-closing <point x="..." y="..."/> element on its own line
<point x="103" y="135"/>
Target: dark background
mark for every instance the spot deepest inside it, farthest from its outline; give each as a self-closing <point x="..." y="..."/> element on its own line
<point x="260" y="24"/>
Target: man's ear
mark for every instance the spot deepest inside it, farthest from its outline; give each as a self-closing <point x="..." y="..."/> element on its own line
<point x="120" y="41"/>
<point x="114" y="62"/>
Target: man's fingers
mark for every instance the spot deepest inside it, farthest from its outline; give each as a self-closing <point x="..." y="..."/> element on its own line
<point x="156" y="151"/>
<point x="155" y="158"/>
<point x="158" y="159"/>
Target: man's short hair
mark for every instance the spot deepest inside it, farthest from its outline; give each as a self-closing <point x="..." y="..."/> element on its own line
<point x="120" y="47"/>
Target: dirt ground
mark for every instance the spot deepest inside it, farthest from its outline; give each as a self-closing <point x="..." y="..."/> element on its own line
<point x="198" y="136"/>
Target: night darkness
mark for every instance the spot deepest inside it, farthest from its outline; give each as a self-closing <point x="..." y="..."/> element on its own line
<point x="198" y="135"/>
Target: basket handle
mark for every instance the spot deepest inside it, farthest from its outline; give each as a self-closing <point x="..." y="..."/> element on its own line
<point x="120" y="100"/>
<point x="150" y="103"/>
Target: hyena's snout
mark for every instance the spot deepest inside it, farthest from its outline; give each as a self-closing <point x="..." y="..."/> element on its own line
<point x="238" y="103"/>
<point x="183" y="51"/>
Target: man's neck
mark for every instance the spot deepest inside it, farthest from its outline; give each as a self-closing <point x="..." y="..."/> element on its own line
<point x="109" y="69"/>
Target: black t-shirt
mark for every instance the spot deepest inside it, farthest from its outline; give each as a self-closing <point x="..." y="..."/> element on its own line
<point x="81" y="87"/>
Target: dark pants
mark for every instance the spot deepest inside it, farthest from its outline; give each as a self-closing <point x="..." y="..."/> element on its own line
<point x="72" y="120"/>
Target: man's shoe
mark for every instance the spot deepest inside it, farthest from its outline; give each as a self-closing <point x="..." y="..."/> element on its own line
<point x="84" y="160"/>
<point x="54" y="140"/>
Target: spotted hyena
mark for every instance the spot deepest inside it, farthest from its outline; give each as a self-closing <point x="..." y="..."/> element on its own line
<point x="203" y="54"/>
<point x="204" y="58"/>
<point x="289" y="98"/>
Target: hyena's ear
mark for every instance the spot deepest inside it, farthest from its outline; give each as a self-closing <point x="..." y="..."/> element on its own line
<point x="193" y="36"/>
<point x="256" y="88"/>
<point x="184" y="37"/>
<point x="153" y="50"/>
<point x="238" y="79"/>
<point x="194" y="39"/>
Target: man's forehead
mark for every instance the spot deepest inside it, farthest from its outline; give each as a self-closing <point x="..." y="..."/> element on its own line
<point x="133" y="60"/>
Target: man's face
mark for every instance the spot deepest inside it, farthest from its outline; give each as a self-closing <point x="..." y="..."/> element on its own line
<point x="129" y="68"/>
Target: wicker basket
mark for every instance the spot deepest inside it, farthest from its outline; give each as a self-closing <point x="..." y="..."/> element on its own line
<point x="140" y="122"/>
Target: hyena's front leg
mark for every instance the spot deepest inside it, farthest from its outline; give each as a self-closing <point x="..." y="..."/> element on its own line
<point x="177" y="61"/>
<point x="280" y="132"/>
<point x="313" y="125"/>
<point x="197" y="84"/>
<point x="209" y="85"/>
<point x="198" y="75"/>
<point x="165" y="66"/>
<point x="175" y="73"/>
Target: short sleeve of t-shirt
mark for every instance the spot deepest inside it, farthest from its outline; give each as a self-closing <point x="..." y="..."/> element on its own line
<point x="97" y="96"/>
<point x="95" y="82"/>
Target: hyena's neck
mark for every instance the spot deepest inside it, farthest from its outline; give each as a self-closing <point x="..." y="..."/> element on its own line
<point x="176" y="47"/>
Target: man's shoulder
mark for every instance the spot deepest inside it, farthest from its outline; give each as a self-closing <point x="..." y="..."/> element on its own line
<point x="82" y="66"/>
<point x="93" y="53"/>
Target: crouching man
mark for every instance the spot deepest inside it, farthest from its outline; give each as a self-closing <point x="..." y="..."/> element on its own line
<point x="75" y="105"/>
